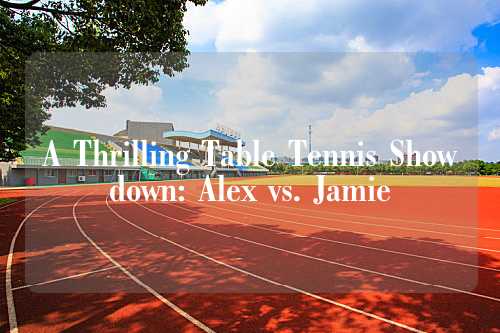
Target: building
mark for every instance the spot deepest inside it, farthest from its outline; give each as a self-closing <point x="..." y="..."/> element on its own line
<point x="29" y="169"/>
<point x="146" y="130"/>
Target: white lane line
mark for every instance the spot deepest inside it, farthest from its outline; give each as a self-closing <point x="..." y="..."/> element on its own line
<point x="8" y="271"/>
<point x="262" y="278"/>
<point x="12" y="203"/>
<point x="385" y="218"/>
<point x="362" y="223"/>
<point x="331" y="262"/>
<point x="65" y="278"/>
<point x="334" y="241"/>
<point x="358" y="232"/>
<point x="489" y="237"/>
<point x="134" y="278"/>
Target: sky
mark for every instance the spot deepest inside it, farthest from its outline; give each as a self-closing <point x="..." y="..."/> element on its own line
<point x="355" y="70"/>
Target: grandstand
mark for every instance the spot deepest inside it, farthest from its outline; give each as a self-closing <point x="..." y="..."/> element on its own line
<point x="29" y="170"/>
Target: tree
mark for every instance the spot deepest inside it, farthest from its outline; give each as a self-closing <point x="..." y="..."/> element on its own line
<point x="133" y="42"/>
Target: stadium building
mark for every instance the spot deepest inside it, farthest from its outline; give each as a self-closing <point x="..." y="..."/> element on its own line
<point x="29" y="170"/>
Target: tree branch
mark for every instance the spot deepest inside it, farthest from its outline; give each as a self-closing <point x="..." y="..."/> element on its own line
<point x="30" y="6"/>
<point x="19" y="5"/>
<point x="60" y="22"/>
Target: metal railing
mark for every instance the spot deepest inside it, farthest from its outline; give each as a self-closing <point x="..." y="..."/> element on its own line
<point x="74" y="162"/>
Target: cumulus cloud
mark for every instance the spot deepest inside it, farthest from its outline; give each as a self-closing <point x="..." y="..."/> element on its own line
<point x="247" y="96"/>
<point x="370" y="74"/>
<point x="489" y="115"/>
<point x="353" y="97"/>
<point x="489" y="92"/>
<point x="346" y="97"/>
<point x="138" y="103"/>
<point x="494" y="134"/>
<point x="444" y="118"/>
<point x="272" y="25"/>
<point x="279" y="94"/>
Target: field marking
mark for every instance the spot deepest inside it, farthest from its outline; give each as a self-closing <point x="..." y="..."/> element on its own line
<point x="262" y="278"/>
<point x="331" y="240"/>
<point x="65" y="278"/>
<point x="358" y="232"/>
<point x="331" y="262"/>
<point x="11" y="308"/>
<point x="134" y="278"/>
<point x="489" y="237"/>
<point x="12" y="203"/>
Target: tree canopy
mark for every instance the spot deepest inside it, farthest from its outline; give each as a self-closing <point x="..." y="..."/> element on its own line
<point x="65" y="53"/>
<point x="470" y="167"/>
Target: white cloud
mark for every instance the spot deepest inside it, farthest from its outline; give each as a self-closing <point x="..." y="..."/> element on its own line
<point x="454" y="114"/>
<point x="203" y="22"/>
<point x="489" y="92"/>
<point x="359" y="44"/>
<point x="340" y="25"/>
<point x="494" y="134"/>
<point x="346" y="97"/>
<point x="489" y="105"/>
<point x="262" y="101"/>
<point x="491" y="79"/>
<point x="247" y="99"/>
<point x="445" y="117"/>
<point x="367" y="73"/>
<point x="138" y="103"/>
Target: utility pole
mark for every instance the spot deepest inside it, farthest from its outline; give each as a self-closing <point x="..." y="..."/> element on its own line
<point x="310" y="143"/>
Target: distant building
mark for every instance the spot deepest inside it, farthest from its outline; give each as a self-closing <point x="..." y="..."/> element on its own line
<point x="146" y="130"/>
<point x="29" y="169"/>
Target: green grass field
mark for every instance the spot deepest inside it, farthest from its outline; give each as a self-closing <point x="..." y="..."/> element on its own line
<point x="407" y="181"/>
<point x="4" y="201"/>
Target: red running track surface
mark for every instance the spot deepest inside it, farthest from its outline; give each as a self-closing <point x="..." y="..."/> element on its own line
<point x="429" y="260"/>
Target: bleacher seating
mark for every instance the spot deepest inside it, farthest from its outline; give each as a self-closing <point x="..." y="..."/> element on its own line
<point x="150" y="148"/>
<point x="70" y="156"/>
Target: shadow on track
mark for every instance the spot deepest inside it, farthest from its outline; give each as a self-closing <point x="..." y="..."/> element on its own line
<point x="109" y="302"/>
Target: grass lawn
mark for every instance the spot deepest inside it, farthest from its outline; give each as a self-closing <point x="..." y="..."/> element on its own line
<point x="4" y="201"/>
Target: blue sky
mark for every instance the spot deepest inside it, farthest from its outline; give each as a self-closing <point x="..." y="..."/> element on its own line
<point x="356" y="70"/>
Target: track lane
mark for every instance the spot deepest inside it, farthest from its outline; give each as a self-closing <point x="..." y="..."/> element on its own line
<point x="211" y="212"/>
<point x="467" y="281"/>
<point x="482" y="316"/>
<point x="449" y="208"/>
<point x="138" y="281"/>
<point x="256" y="275"/>
<point x="11" y="309"/>
<point x="37" y="201"/>
<point x="59" y="296"/>
<point x="101" y="300"/>
<point x="373" y="231"/>
<point x="482" y="283"/>
<point x="12" y="203"/>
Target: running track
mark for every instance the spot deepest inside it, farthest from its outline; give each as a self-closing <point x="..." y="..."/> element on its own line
<point x="77" y="262"/>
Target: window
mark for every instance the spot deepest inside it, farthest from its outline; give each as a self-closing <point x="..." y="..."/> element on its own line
<point x="48" y="172"/>
<point x="72" y="172"/>
<point x="108" y="172"/>
<point x="92" y="172"/>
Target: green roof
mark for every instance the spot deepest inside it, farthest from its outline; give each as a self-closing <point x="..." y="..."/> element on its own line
<point x="63" y="141"/>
